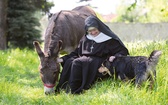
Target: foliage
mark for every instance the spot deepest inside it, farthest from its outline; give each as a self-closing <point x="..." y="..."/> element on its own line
<point x="143" y="11"/>
<point x="21" y="85"/>
<point x="22" y="23"/>
<point x="43" y="5"/>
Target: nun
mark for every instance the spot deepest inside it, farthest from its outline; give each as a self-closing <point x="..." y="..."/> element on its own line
<point x="80" y="67"/>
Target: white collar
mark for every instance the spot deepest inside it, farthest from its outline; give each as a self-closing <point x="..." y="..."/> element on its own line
<point x="99" y="38"/>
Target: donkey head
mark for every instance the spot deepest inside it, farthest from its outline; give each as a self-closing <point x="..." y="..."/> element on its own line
<point x="49" y="67"/>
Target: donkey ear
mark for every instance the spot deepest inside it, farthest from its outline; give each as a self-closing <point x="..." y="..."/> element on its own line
<point x="58" y="48"/>
<point x="60" y="44"/>
<point x="38" y="50"/>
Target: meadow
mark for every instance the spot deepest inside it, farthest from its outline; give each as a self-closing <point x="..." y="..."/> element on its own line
<point x="20" y="83"/>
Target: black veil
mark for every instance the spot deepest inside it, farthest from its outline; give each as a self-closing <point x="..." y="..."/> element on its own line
<point x="93" y="21"/>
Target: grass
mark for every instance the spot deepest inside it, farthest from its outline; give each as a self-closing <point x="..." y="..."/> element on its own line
<point x="20" y="83"/>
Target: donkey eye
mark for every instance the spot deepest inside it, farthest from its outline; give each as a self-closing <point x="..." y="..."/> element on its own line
<point x="54" y="72"/>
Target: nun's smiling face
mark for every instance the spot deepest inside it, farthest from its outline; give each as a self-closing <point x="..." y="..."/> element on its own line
<point x="93" y="31"/>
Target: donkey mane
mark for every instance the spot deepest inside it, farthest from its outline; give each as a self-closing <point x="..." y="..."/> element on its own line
<point x="55" y="35"/>
<point x="54" y="38"/>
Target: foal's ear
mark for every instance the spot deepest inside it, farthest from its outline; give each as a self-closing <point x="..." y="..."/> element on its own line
<point x="38" y="50"/>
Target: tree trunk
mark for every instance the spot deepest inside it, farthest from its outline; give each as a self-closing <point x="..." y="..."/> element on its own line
<point x="3" y="24"/>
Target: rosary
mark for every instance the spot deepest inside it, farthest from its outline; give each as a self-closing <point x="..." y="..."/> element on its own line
<point x="91" y="48"/>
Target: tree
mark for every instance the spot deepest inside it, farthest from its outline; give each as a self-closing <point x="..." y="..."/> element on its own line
<point x="143" y="11"/>
<point x="3" y="13"/>
<point x="42" y="5"/>
<point x="22" y="23"/>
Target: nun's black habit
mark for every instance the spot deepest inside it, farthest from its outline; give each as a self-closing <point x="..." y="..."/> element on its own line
<point x="80" y="67"/>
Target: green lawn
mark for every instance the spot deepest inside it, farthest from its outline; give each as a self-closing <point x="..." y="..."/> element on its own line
<point x="20" y="83"/>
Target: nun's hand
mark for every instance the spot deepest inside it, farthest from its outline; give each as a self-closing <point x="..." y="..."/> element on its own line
<point x="111" y="58"/>
<point x="59" y="60"/>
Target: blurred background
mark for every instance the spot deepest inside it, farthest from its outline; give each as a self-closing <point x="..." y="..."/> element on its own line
<point x="23" y="21"/>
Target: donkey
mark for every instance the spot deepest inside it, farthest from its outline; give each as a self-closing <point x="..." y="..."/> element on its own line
<point x="63" y="33"/>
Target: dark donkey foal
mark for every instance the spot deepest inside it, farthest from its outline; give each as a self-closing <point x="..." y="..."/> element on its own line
<point x="139" y="68"/>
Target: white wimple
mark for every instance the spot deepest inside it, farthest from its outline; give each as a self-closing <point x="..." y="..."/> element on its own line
<point x="99" y="38"/>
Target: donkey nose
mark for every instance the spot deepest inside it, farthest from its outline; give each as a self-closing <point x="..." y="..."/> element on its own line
<point x="48" y="90"/>
<point x="47" y="93"/>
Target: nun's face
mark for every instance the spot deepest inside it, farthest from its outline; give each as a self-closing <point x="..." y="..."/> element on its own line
<point x="94" y="32"/>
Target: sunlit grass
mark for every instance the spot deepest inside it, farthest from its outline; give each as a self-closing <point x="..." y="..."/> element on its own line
<point x="20" y="83"/>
